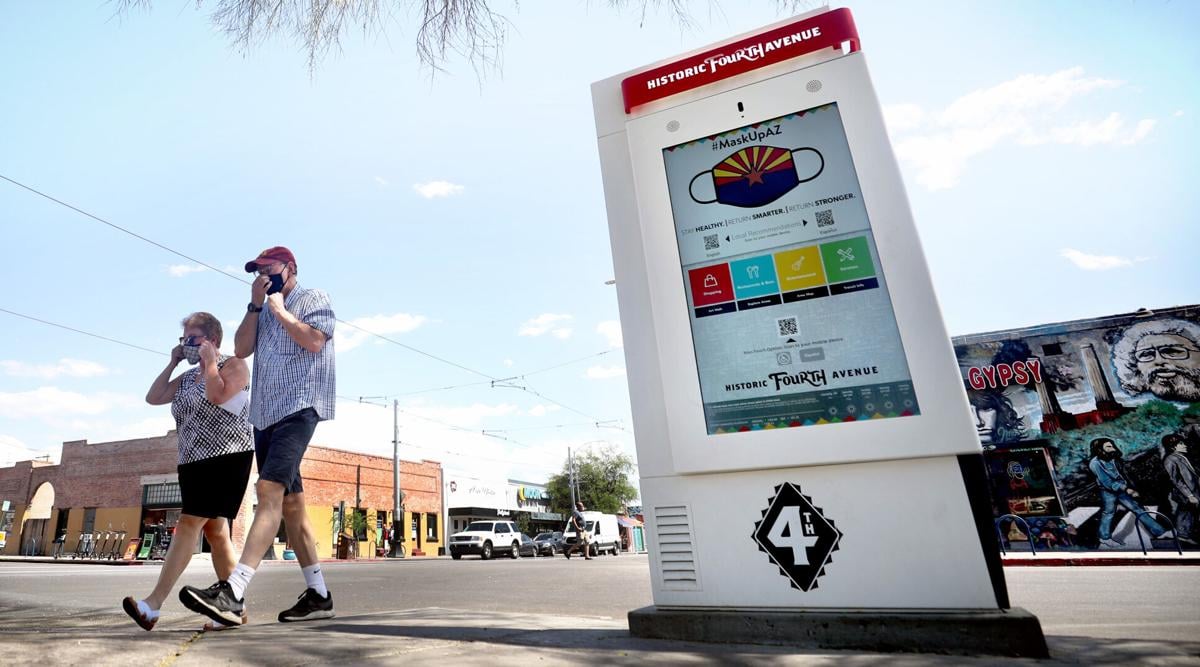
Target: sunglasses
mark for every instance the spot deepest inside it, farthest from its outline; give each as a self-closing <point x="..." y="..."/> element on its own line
<point x="191" y="340"/>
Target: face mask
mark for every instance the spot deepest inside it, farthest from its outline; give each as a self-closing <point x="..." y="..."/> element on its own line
<point x="276" y="283"/>
<point x="755" y="176"/>
<point x="192" y="354"/>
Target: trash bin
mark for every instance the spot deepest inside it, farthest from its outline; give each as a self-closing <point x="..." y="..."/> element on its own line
<point x="343" y="547"/>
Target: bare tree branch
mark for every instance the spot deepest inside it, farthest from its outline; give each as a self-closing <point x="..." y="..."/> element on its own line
<point x="471" y="29"/>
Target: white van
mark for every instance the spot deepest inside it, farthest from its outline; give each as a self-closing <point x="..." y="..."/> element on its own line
<point x="605" y="536"/>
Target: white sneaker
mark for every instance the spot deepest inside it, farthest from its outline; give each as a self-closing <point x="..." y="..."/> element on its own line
<point x="1111" y="544"/>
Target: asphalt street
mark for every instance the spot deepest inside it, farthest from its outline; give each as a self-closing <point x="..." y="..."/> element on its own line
<point x="1094" y="613"/>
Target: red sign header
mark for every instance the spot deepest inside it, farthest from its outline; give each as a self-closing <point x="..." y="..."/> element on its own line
<point x="828" y="30"/>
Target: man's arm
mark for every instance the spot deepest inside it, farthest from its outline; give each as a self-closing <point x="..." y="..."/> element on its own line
<point x="306" y="335"/>
<point x="247" y="331"/>
<point x="1104" y="478"/>
<point x="1177" y="474"/>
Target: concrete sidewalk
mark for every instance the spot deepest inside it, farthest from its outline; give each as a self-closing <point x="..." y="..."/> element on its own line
<point x="447" y="636"/>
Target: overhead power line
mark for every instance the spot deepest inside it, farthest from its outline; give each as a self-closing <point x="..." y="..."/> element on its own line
<point x="406" y="346"/>
<point x="81" y="331"/>
<point x="122" y="229"/>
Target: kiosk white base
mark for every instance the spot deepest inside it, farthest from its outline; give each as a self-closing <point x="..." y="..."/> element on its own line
<point x="1011" y="632"/>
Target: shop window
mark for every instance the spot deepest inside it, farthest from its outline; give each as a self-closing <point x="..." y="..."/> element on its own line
<point x="1052" y="349"/>
<point x="89" y="519"/>
<point x="431" y="527"/>
<point x="161" y="494"/>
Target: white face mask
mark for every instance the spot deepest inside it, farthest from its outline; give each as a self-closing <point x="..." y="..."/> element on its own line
<point x="192" y="354"/>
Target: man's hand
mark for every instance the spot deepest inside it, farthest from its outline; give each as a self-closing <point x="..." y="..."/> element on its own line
<point x="1132" y="493"/>
<point x="208" y="356"/>
<point x="176" y="355"/>
<point x="275" y="303"/>
<point x="258" y="290"/>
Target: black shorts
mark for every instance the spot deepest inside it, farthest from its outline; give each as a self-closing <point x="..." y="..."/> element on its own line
<point x="280" y="447"/>
<point x="215" y="487"/>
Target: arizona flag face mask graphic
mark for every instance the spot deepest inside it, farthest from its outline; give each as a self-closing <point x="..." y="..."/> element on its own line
<point x="755" y="176"/>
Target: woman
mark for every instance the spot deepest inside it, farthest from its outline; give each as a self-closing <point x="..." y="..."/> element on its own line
<point x="210" y="404"/>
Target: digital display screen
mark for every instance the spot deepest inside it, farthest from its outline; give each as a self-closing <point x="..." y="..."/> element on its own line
<point x="789" y="308"/>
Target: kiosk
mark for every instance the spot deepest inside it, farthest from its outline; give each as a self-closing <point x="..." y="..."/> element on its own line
<point x="806" y="452"/>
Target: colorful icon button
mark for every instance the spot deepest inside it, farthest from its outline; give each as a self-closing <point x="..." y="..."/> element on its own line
<point x="710" y="284"/>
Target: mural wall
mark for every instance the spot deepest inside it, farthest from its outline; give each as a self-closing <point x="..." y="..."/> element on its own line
<point x="1091" y="427"/>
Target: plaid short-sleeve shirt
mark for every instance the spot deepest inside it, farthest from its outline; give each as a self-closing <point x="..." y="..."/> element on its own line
<point x="287" y="377"/>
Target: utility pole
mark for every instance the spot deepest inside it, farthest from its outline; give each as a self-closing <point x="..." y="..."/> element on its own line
<point x="571" y="477"/>
<point x="397" y="548"/>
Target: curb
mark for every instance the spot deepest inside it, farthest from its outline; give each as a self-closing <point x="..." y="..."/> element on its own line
<point x="1061" y="562"/>
<point x="69" y="561"/>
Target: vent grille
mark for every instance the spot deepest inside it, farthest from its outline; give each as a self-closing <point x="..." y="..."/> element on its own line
<point x="676" y="548"/>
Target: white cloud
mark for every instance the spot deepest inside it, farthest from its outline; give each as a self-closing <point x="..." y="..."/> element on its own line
<point x="1143" y="129"/>
<point x="435" y="189"/>
<point x="1022" y="111"/>
<point x="349" y="338"/>
<point x="542" y="410"/>
<point x="902" y="116"/>
<point x="77" y="368"/>
<point x="181" y="270"/>
<point x="13" y="450"/>
<point x="611" y="330"/>
<point x="544" y="324"/>
<point x="1178" y="113"/>
<point x="1089" y="262"/>
<point x="383" y="182"/>
<point x="47" y="402"/>
<point x="604" y="372"/>
<point x="508" y="363"/>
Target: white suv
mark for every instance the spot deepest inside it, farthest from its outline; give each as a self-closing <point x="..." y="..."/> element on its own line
<point x="486" y="538"/>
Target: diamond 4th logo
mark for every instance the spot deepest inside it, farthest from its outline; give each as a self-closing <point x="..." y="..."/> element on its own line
<point x="797" y="537"/>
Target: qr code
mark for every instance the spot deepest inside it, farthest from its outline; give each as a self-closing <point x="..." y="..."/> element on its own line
<point x="712" y="241"/>
<point x="788" y="326"/>
<point x="824" y="218"/>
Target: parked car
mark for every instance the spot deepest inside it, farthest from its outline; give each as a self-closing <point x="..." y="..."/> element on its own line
<point x="486" y="538"/>
<point x="527" y="548"/>
<point x="549" y="544"/>
<point x="605" y="536"/>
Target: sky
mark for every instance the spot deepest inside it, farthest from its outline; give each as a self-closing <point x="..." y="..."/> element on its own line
<point x="1048" y="150"/>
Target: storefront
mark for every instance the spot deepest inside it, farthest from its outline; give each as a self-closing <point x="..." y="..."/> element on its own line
<point x="102" y="490"/>
<point x="472" y="498"/>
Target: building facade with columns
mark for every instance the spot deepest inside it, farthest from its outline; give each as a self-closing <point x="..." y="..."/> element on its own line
<point x="132" y="486"/>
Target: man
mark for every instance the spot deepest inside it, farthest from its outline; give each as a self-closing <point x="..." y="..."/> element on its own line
<point x="582" y="539"/>
<point x="291" y="338"/>
<point x="1115" y="489"/>
<point x="1185" y="487"/>
<point x="1161" y="357"/>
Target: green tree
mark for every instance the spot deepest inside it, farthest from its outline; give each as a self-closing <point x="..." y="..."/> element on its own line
<point x="603" y="478"/>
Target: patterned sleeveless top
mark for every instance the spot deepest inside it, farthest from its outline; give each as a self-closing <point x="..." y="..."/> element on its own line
<point x="206" y="430"/>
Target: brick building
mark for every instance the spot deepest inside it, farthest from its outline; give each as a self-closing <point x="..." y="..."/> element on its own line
<point x="132" y="485"/>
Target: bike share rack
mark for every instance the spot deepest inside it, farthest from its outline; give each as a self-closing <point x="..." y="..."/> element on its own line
<point x="1137" y="527"/>
<point x="1028" y="533"/>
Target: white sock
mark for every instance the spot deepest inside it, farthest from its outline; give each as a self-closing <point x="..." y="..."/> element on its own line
<point x="146" y="611"/>
<point x="239" y="580"/>
<point x="315" y="580"/>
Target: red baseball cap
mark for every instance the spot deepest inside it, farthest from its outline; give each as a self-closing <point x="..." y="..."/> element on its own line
<point x="270" y="256"/>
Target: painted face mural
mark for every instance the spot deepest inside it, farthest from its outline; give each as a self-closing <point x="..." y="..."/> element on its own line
<point x="1161" y="357"/>
<point x="755" y="176"/>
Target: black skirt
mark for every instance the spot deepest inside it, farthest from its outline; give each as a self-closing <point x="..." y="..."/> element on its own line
<point x="215" y="487"/>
